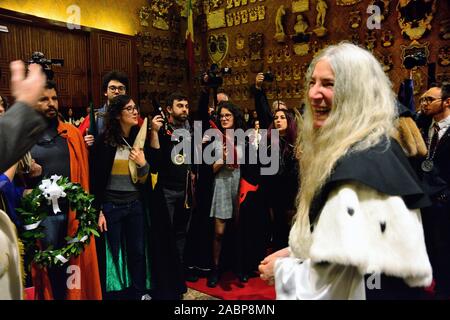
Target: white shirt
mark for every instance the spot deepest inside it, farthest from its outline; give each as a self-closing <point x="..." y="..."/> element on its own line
<point x="444" y="124"/>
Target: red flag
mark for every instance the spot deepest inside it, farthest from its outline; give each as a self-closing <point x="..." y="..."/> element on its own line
<point x="190" y="37"/>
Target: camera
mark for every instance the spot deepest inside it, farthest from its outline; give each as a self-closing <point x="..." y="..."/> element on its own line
<point x="215" y="75"/>
<point x="269" y="76"/>
<point x="46" y="64"/>
<point x="415" y="59"/>
<point x="158" y="111"/>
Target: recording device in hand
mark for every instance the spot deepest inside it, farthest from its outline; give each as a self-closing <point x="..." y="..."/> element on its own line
<point x="215" y="75"/>
<point x="46" y="64"/>
<point x="159" y="111"/>
<point x="269" y="76"/>
<point x="415" y="59"/>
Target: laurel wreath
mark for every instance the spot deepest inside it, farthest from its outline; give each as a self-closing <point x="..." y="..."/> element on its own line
<point x="34" y="209"/>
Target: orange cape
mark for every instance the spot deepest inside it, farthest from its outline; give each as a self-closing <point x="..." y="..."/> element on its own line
<point x="89" y="288"/>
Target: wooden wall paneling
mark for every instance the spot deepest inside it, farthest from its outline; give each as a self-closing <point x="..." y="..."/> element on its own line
<point x="111" y="52"/>
<point x="24" y="38"/>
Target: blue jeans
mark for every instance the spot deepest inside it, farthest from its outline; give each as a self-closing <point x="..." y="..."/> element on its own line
<point x="126" y="221"/>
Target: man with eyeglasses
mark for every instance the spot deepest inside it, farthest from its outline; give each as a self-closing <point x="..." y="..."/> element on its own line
<point x="61" y="151"/>
<point x="114" y="83"/>
<point x="434" y="171"/>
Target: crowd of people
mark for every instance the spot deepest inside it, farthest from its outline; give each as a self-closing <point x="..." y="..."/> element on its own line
<point x="341" y="199"/>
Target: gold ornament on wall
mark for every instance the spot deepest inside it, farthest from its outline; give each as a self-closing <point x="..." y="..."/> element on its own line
<point x="279" y="55"/>
<point x="384" y="7"/>
<point x="444" y="30"/>
<point x="237" y="78"/>
<point x="387" y="38"/>
<point x="278" y="74"/>
<point x="261" y="12"/>
<point x="415" y="49"/>
<point x="256" y="45"/>
<point x="269" y="57"/>
<point x="280" y="36"/>
<point x="355" y="38"/>
<point x="237" y="93"/>
<point x="442" y="77"/>
<point x="253" y="12"/>
<point x="216" y="19"/>
<point x="288" y="94"/>
<point x="160" y="12"/>
<point x="444" y="56"/>
<point x="240" y="41"/>
<point x="418" y="81"/>
<point x="287" y="53"/>
<point x="297" y="90"/>
<point x="355" y="19"/>
<point x="301" y="25"/>
<point x="230" y="4"/>
<point x="245" y="93"/>
<point x="370" y="41"/>
<point x="244" y="16"/>
<point x="244" y="77"/>
<point x="214" y="4"/>
<point x="270" y="93"/>
<point x="236" y="18"/>
<point x="218" y="47"/>
<point x="347" y="2"/>
<point x="321" y="8"/>
<point x="237" y="3"/>
<point x="230" y="19"/>
<point x="297" y="73"/>
<point x="415" y="16"/>
<point x="244" y="60"/>
<point x="144" y="14"/>
<point x="385" y="61"/>
<point x="287" y="72"/>
<point x="300" y="6"/>
<point x="236" y="61"/>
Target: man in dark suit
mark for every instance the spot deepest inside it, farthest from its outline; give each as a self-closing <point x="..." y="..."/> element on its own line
<point x="435" y="174"/>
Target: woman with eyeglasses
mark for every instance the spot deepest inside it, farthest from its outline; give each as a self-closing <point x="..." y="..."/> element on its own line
<point x="119" y="199"/>
<point x="224" y="205"/>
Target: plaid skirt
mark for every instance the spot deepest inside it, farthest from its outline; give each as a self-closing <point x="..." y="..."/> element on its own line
<point x="225" y="195"/>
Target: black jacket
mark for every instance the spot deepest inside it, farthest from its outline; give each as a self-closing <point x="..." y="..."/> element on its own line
<point x="437" y="181"/>
<point x="101" y="160"/>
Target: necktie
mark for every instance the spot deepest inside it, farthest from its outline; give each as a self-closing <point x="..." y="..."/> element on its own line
<point x="434" y="141"/>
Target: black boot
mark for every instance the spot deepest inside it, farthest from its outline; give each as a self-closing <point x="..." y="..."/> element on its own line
<point x="213" y="278"/>
<point x="243" y="277"/>
<point x="190" y="275"/>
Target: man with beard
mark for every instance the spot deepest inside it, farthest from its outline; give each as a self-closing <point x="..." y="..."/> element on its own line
<point x="435" y="174"/>
<point x="171" y="205"/>
<point x="61" y="151"/>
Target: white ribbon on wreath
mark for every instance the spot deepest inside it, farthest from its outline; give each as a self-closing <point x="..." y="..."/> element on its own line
<point x="52" y="192"/>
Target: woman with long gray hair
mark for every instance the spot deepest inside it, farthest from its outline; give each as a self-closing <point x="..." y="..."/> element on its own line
<point x="359" y="198"/>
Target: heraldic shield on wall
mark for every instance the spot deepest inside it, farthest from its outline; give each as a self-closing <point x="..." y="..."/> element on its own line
<point x="218" y="47"/>
<point x="415" y="16"/>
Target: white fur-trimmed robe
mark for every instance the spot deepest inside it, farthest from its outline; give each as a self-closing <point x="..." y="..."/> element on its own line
<point x="359" y="231"/>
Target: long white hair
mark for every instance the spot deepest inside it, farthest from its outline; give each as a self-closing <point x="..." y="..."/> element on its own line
<point x="363" y="112"/>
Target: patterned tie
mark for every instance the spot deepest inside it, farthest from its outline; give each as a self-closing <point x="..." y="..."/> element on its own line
<point x="434" y="140"/>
